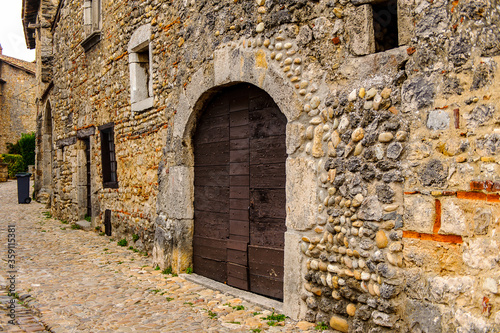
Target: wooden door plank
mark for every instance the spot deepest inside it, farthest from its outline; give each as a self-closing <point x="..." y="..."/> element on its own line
<point x="239" y="228"/>
<point x="239" y="118"/>
<point x="239" y="156"/>
<point x="239" y="180"/>
<point x="239" y="192"/>
<point x="242" y="168"/>
<point x="268" y="175"/>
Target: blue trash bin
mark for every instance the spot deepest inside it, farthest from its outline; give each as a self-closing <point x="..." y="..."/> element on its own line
<point x="23" y="187"/>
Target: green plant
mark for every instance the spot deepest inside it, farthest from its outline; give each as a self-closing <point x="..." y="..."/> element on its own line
<point x="120" y="262"/>
<point x="102" y="233"/>
<point x="321" y="326"/>
<point x="62" y="228"/>
<point x="211" y="314"/>
<point x="167" y="270"/>
<point x="155" y="291"/>
<point x="170" y="299"/>
<point x="235" y="322"/>
<point x="188" y="303"/>
<point x="189" y="270"/>
<point x="64" y="222"/>
<point x="88" y="218"/>
<point x="44" y="230"/>
<point x="75" y="227"/>
<point x="135" y="237"/>
<point x="25" y="147"/>
<point x="14" y="164"/>
<point x="256" y="313"/>
<point x="47" y="215"/>
<point x="256" y="330"/>
<point x="105" y="249"/>
<point x="174" y="274"/>
<point x="237" y="307"/>
<point x="122" y="242"/>
<point x="273" y="319"/>
<point x="157" y="268"/>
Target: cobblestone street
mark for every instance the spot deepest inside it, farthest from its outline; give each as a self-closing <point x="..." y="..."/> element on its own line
<point x="80" y="281"/>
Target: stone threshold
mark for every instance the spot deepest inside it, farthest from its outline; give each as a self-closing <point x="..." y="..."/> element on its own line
<point x="264" y="302"/>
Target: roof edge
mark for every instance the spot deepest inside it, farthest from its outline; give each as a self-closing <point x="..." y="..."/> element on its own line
<point x="28" y="15"/>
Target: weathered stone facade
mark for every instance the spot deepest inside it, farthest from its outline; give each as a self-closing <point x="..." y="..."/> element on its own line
<point x="17" y="99"/>
<point x="392" y="176"/>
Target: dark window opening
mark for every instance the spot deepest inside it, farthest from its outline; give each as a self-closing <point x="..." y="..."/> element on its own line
<point x="108" y="156"/>
<point x="385" y="25"/>
<point x="144" y="65"/>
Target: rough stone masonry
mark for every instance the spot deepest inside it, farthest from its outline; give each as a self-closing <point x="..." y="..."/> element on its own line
<point x="393" y="140"/>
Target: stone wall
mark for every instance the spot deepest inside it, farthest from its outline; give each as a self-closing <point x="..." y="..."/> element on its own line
<point x="392" y="171"/>
<point x="4" y="172"/>
<point x="17" y="103"/>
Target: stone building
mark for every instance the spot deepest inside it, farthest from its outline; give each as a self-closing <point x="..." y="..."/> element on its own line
<point x="340" y="155"/>
<point x="17" y="99"/>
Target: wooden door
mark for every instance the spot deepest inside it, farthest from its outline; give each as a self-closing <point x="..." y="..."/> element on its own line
<point x="239" y="149"/>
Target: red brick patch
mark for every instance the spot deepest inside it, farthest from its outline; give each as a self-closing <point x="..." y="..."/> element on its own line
<point x="437" y="221"/>
<point x="471" y="195"/>
<point x="487" y="185"/>
<point x="432" y="237"/>
<point x="476" y="186"/>
<point x="493" y="197"/>
<point x="411" y="50"/>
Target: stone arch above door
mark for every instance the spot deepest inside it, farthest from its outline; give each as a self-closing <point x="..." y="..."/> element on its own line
<point x="175" y="221"/>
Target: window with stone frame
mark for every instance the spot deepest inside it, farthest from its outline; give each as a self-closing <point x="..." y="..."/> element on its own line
<point x="140" y="66"/>
<point x="108" y="156"/>
<point x="92" y="23"/>
<point x="379" y="25"/>
<point x="92" y="16"/>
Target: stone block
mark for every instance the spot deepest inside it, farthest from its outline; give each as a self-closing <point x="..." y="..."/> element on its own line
<point x="370" y="209"/>
<point x="176" y="199"/>
<point x="481" y="253"/>
<point x="294" y="137"/>
<point x="85" y="225"/>
<point x="360" y="28"/>
<point x="406" y="26"/>
<point x="140" y="38"/>
<point x="420" y="213"/>
<point x="301" y="205"/>
<point x="4" y="172"/>
<point x="438" y="120"/>
<point x="423" y="316"/>
<point x="292" y="282"/>
<point x="465" y="217"/>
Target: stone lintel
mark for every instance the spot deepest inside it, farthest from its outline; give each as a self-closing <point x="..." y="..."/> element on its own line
<point x="85" y="132"/>
<point x="66" y="142"/>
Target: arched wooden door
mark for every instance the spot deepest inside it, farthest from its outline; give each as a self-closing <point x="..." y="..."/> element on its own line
<point x="239" y="192"/>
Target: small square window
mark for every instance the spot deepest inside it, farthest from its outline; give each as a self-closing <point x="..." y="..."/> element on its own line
<point x="108" y="156"/>
<point x="379" y="25"/>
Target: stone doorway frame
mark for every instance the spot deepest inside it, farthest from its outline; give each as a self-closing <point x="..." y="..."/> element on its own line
<point x="45" y="161"/>
<point x="175" y="221"/>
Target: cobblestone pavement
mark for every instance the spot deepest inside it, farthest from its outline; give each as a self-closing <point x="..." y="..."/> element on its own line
<point x="71" y="280"/>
